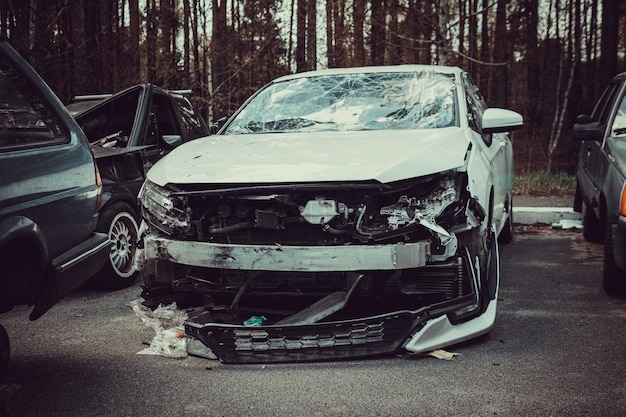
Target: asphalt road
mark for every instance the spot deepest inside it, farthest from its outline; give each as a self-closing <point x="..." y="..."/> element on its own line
<point x="558" y="349"/>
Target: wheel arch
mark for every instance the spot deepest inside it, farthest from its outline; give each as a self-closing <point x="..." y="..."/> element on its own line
<point x="114" y="197"/>
<point x="24" y="258"/>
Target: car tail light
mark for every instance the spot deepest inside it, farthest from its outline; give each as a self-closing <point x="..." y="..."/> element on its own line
<point x="622" y="207"/>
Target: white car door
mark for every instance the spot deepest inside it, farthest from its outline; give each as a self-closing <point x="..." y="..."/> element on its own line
<point x="496" y="151"/>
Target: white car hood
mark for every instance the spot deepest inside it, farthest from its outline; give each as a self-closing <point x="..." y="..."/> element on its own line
<point x="385" y="156"/>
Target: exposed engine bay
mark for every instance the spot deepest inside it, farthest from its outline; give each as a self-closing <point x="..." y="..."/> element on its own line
<point x="266" y="263"/>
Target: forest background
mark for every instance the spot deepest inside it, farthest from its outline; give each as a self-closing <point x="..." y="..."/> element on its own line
<point x="547" y="59"/>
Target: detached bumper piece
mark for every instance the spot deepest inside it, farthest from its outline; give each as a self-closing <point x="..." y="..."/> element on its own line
<point x="323" y="341"/>
<point x="317" y="342"/>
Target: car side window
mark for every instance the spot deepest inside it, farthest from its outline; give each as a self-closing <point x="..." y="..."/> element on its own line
<point x="112" y="119"/>
<point x="619" y="123"/>
<point x="166" y="123"/>
<point x="26" y="119"/>
<point x="191" y="121"/>
<point x="602" y="111"/>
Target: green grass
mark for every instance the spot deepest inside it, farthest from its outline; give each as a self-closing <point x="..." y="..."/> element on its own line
<point x="544" y="183"/>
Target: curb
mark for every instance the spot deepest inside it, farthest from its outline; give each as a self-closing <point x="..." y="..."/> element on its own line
<point x="543" y="215"/>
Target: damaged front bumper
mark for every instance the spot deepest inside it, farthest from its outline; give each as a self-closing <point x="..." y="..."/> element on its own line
<point x="416" y="331"/>
<point x="342" y="323"/>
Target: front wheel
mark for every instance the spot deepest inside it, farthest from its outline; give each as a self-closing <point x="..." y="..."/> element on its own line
<point x="613" y="277"/>
<point x="119" y="221"/>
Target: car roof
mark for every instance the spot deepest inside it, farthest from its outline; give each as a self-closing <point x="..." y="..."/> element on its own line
<point x="373" y="69"/>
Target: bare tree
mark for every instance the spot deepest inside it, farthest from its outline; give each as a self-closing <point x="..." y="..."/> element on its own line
<point x="377" y="32"/>
<point x="133" y="61"/>
<point x="301" y="64"/>
<point x="500" y="81"/>
<point x="311" y="31"/>
<point x="568" y="63"/>
<point x="609" y="40"/>
<point x="358" y="16"/>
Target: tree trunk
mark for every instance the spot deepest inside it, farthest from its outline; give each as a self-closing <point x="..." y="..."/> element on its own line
<point x="498" y="92"/>
<point x="219" y="46"/>
<point x="442" y="32"/>
<point x="484" y="45"/>
<point x="358" y="15"/>
<point x="561" y="106"/>
<point x="301" y="64"/>
<point x="331" y="52"/>
<point x="473" y="36"/>
<point x="186" y="42"/>
<point x="377" y="37"/>
<point x="151" y="40"/>
<point x="311" y="25"/>
<point x="533" y="111"/>
<point x="133" y="63"/>
<point x="609" y="40"/>
<point x="290" y="33"/>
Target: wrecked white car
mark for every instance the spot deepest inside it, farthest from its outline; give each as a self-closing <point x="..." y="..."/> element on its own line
<point x="338" y="214"/>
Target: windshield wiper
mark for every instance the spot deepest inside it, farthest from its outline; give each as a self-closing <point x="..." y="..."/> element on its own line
<point x="619" y="131"/>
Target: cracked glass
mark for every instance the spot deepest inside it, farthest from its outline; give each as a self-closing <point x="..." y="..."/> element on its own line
<point x="351" y="102"/>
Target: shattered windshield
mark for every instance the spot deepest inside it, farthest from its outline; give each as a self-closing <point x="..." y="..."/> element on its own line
<point x="366" y="101"/>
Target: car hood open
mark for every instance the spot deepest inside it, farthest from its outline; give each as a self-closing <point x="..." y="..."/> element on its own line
<point x="385" y="156"/>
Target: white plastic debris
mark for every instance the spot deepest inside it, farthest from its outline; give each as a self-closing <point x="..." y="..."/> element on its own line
<point x="167" y="323"/>
<point x="443" y="354"/>
<point x="439" y="354"/>
<point x="568" y="224"/>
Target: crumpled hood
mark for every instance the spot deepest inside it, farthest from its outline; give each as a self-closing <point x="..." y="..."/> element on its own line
<point x="385" y="156"/>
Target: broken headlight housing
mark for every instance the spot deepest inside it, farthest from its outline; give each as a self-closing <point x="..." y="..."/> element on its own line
<point x="434" y="204"/>
<point x="163" y="210"/>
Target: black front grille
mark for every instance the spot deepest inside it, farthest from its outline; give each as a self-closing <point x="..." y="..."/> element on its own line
<point x="450" y="279"/>
<point x="323" y="341"/>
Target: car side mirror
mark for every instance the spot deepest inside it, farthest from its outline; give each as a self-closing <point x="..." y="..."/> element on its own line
<point x="586" y="129"/>
<point x="171" y="141"/>
<point x="497" y="120"/>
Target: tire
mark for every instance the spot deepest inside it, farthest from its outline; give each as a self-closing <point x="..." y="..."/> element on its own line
<point x="593" y="229"/>
<point x="119" y="221"/>
<point x="506" y="234"/>
<point x="5" y="353"/>
<point x="613" y="277"/>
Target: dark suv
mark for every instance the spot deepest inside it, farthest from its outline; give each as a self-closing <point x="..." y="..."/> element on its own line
<point x="601" y="181"/>
<point x="50" y="192"/>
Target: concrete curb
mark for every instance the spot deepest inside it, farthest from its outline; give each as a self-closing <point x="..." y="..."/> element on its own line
<point x="543" y="215"/>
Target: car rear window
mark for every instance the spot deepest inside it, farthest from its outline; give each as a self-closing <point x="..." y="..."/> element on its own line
<point x="26" y="119"/>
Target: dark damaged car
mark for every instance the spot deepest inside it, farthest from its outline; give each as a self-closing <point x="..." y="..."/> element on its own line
<point x="338" y="214"/>
<point x="128" y="132"/>
<point x="601" y="181"/>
